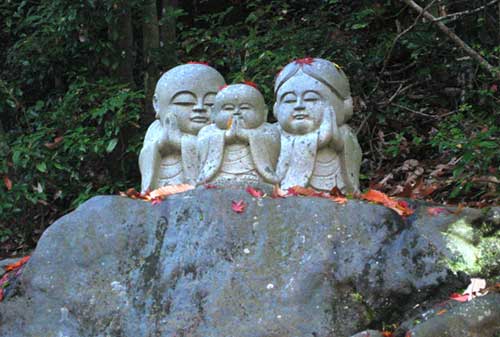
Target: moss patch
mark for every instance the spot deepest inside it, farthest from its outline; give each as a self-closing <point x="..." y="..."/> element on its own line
<point x="472" y="252"/>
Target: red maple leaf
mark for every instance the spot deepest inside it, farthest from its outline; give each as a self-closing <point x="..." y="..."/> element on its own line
<point x="459" y="297"/>
<point x="210" y="186"/>
<point x="156" y="201"/>
<point x="252" y="84"/>
<point x="198" y="62"/>
<point x="400" y="207"/>
<point x="305" y="60"/>
<point x="17" y="265"/>
<point x="437" y="210"/>
<point x="238" y="206"/>
<point x="387" y="334"/>
<point x="256" y="193"/>
<point x="222" y="87"/>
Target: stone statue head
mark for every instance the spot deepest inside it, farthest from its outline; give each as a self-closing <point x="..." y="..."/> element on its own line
<point x="305" y="88"/>
<point x="186" y="93"/>
<point x="239" y="101"/>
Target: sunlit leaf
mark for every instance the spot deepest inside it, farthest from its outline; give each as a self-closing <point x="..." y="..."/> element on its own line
<point x="400" y="207"/>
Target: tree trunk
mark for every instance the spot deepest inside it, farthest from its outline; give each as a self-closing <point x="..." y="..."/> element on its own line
<point x="123" y="38"/>
<point x="151" y="44"/>
<point x="168" y="38"/>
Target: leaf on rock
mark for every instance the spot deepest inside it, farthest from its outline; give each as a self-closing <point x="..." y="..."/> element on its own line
<point x="229" y="123"/>
<point x="400" y="207"/>
<point x="434" y="211"/>
<point x="156" y="201"/>
<point x="442" y="311"/>
<point x="131" y="193"/>
<point x="304" y="191"/>
<point x="387" y="334"/>
<point x="7" y="182"/>
<point x="256" y="193"/>
<point x="238" y="206"/>
<point x="166" y="191"/>
<point x="458" y="297"/>
<point x="278" y="192"/>
<point x="210" y="186"/>
<point x="17" y="265"/>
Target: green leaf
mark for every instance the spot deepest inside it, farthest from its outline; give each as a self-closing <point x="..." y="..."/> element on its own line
<point x="42" y="167"/>
<point x="488" y="144"/>
<point x="359" y="25"/>
<point x="112" y="144"/>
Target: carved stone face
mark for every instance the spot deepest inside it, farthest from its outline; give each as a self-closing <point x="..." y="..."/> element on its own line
<point x="191" y="109"/>
<point x="187" y="93"/>
<point x="241" y="102"/>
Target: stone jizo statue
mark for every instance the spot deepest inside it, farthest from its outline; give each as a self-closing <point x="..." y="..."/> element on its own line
<point x="240" y="147"/>
<point x="313" y="102"/>
<point x="182" y="101"/>
<point x="231" y="143"/>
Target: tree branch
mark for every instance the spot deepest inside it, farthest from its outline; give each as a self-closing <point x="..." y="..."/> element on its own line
<point x="455" y="16"/>
<point x="458" y="41"/>
<point x="393" y="45"/>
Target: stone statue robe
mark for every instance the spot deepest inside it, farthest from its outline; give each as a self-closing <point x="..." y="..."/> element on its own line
<point x="175" y="164"/>
<point x="240" y="162"/>
<point x="304" y="162"/>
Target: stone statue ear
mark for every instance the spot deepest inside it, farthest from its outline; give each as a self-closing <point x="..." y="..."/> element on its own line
<point x="156" y="106"/>
<point x="348" y="109"/>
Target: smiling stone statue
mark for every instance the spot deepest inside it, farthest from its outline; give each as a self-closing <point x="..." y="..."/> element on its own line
<point x="313" y="102"/>
<point x="183" y="98"/>
<point x="240" y="148"/>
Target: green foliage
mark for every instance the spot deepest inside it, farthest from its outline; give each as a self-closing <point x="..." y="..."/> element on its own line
<point x="93" y="120"/>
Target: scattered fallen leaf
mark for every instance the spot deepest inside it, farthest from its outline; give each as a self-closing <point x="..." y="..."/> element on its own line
<point x="442" y="311"/>
<point x="55" y="143"/>
<point x="131" y="193"/>
<point x="229" y="123"/>
<point x="238" y="206"/>
<point x="304" y="191"/>
<point x="7" y="182"/>
<point x="338" y="200"/>
<point x="336" y="192"/>
<point x="408" y="334"/>
<point x="458" y="297"/>
<point x="278" y="192"/>
<point x="387" y="334"/>
<point x="209" y="186"/>
<point x="434" y="211"/>
<point x="156" y="201"/>
<point x="165" y="191"/>
<point x="17" y="265"/>
<point x="256" y="193"/>
<point x="1" y="295"/>
<point x="400" y="207"/>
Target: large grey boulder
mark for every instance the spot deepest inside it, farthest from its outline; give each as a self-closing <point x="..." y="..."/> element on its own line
<point x="190" y="266"/>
